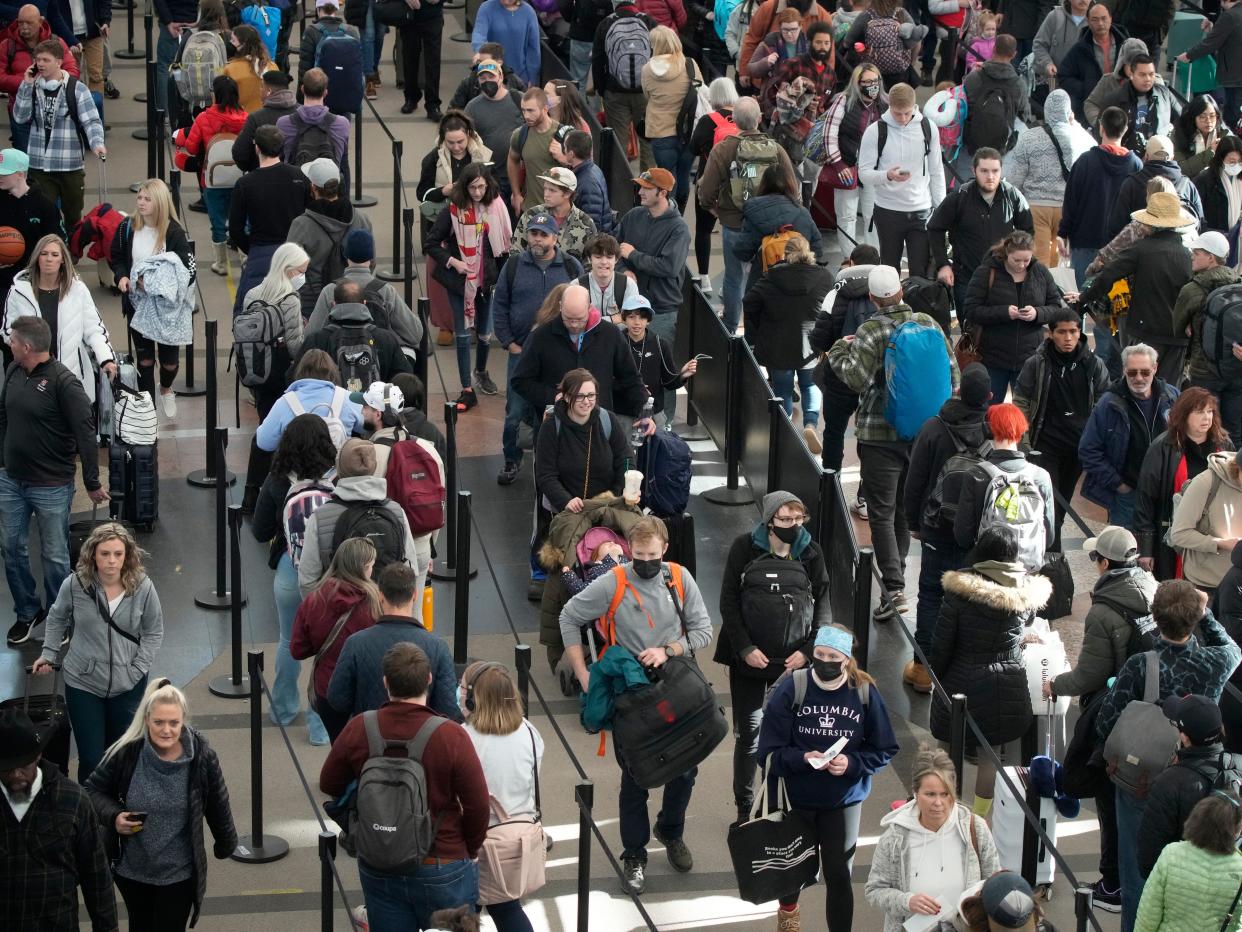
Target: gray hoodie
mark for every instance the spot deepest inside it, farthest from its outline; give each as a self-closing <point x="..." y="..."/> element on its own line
<point x="661" y="247"/>
<point x="405" y="325"/>
<point x="99" y="660"/>
<point x="1056" y="36"/>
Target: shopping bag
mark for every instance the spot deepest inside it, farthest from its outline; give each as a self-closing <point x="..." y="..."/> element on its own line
<point x="775" y="852"/>
<point x="1044" y="660"/>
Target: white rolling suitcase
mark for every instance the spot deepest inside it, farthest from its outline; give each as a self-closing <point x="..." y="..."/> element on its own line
<point x="1010" y="829"/>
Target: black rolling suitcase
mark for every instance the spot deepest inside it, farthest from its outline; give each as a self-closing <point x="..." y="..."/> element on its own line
<point x="681" y="548"/>
<point x="134" y="483"/>
<point x="49" y="714"/>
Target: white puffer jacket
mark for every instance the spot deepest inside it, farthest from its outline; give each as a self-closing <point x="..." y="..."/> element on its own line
<point x="80" y="333"/>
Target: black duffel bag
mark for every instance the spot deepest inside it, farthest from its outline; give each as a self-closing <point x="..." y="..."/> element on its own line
<point x="394" y="13"/>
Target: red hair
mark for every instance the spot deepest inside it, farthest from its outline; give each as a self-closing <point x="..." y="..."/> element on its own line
<point x="1007" y="423"/>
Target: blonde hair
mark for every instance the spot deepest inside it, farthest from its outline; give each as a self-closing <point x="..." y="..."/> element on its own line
<point x="648" y="528"/>
<point x="132" y="572"/>
<point x="164" y="211"/>
<point x="160" y="691"/>
<point x="497" y="705"/>
<point x="901" y="95"/>
<point x="934" y="762"/>
<point x="276" y="284"/>
<point x="347" y="566"/>
<point x="666" y="42"/>
<point x="798" y="250"/>
<point x="67" y="274"/>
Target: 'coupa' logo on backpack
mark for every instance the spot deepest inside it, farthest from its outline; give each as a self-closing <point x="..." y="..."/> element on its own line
<point x="383" y="828"/>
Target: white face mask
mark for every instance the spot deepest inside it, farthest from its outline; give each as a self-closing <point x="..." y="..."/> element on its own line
<point x="1233" y="170"/>
<point x="297" y="281"/>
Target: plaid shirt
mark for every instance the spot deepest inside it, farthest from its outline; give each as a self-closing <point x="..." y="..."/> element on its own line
<point x="801" y="67"/>
<point x="59" y="150"/>
<point x="859" y="362"/>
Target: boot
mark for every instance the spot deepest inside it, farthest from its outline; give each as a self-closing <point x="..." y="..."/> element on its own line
<point x="221" y="265"/>
<point x="789" y="920"/>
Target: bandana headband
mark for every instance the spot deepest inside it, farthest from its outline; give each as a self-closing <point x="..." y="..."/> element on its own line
<point x="835" y="638"/>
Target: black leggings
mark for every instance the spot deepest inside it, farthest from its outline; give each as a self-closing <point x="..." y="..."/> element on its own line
<point x="704" y="226"/>
<point x="260" y="463"/>
<point x="838" y="837"/>
<point x="153" y="908"/>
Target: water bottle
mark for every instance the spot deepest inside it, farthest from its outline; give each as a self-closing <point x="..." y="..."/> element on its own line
<point x="637" y="437"/>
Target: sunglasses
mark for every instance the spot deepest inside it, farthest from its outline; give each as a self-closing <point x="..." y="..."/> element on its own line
<point x="1140" y="373"/>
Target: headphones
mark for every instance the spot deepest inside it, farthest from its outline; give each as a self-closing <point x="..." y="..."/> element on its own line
<point x="470" y="704"/>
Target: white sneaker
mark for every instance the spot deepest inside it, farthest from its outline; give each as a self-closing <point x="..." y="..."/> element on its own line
<point x="360" y="918"/>
<point x="860" y="509"/>
<point x="705" y="284"/>
<point x="170" y="404"/>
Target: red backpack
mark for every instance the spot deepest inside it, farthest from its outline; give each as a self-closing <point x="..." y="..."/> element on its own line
<point x="416" y="482"/>
<point x="96" y="230"/>
<point x="725" y="127"/>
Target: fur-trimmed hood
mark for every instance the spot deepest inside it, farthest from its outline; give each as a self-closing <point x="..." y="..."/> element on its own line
<point x="1030" y="595"/>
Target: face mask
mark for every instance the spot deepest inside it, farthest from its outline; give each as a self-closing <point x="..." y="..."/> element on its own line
<point x="647" y="569"/>
<point x="827" y="670"/>
<point x="786" y="535"/>
<point x="1233" y="170"/>
<point x="489" y="88"/>
<point x="297" y="282"/>
<point x="871" y="92"/>
<point x="820" y="54"/>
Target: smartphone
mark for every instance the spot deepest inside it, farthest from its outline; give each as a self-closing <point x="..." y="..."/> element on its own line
<point x="138" y="817"/>
<point x="904" y="173"/>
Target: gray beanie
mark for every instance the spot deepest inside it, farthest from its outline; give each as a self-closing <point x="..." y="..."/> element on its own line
<point x="775" y="501"/>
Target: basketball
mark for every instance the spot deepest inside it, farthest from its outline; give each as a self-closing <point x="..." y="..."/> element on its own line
<point x="12" y="245"/>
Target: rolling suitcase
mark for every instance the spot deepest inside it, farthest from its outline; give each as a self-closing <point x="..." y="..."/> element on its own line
<point x="50" y="717"/>
<point x="134" y="483"/>
<point x="1019" y="848"/>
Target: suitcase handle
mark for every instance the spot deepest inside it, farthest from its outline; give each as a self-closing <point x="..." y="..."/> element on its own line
<point x="56" y="684"/>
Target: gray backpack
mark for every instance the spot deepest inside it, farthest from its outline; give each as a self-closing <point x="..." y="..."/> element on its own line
<point x="392" y="826"/>
<point x="1015" y="501"/>
<point x="1143" y="741"/>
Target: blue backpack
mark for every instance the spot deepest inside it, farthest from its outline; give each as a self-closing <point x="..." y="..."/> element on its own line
<point x="666" y="474"/>
<point x="917" y="375"/>
<point x="340" y="55"/>
<point x="266" y="21"/>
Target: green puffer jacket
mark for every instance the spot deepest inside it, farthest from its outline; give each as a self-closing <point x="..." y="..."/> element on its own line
<point x="1190" y="890"/>
<point x="1188" y="311"/>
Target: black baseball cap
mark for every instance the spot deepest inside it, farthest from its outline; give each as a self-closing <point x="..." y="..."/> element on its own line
<point x="1197" y="717"/>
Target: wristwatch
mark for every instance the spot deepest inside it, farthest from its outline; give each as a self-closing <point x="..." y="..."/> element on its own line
<point x="668" y="649"/>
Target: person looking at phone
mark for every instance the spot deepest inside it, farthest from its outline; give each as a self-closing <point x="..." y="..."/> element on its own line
<point x="152" y="792"/>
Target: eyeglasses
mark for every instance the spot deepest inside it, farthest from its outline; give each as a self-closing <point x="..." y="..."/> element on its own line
<point x="789" y="522"/>
<point x="585" y="396"/>
<point x="868" y="83"/>
<point x="1140" y="373"/>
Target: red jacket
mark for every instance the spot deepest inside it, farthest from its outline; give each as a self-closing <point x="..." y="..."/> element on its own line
<point x="670" y="13"/>
<point x="456" y="787"/>
<point x="16" y="58"/>
<point x="211" y="121"/>
<point x="317" y="615"/>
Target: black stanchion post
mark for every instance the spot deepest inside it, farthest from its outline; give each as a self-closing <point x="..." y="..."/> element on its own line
<point x="521" y="662"/>
<point x="607" y="146"/>
<point x="957" y="737"/>
<point x="146" y="132"/>
<point x="394" y="274"/>
<point x="189" y="389"/>
<point x="585" y="793"/>
<point x="257" y="847"/>
<point x="360" y="199"/>
<point x="693" y="429"/>
<point x="407" y="259"/>
<point x="1082" y="908"/>
<point x="862" y="604"/>
<point x="161" y="128"/>
<point x="422" y="361"/>
<point x="776" y="407"/>
<point x="206" y="478"/>
<point x="129" y="53"/>
<point x="174" y="189"/>
<point x="461" y="595"/>
<point x="236" y="685"/>
<point x="452" y="515"/>
<point x="327" y="854"/>
<point x="731" y="493"/>
<point x="219" y="597"/>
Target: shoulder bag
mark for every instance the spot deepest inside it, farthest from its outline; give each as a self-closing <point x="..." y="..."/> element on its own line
<point x="513" y="858"/>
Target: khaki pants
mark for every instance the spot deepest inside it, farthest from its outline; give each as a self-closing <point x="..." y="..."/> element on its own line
<point x="65" y="187"/>
<point x="92" y="63"/>
<point x="1047" y="219"/>
<point x="626" y="108"/>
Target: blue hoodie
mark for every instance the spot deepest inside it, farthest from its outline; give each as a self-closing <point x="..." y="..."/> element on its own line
<point x="1090" y="192"/>
<point x="310" y="392"/>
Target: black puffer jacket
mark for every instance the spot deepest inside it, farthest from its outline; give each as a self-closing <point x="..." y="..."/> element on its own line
<point x="766" y="214"/>
<point x="577" y="460"/>
<point x="209" y="799"/>
<point x="781" y="310"/>
<point x="977" y="651"/>
<point x="1215" y="202"/>
<point x="932" y="449"/>
<point x="1007" y="343"/>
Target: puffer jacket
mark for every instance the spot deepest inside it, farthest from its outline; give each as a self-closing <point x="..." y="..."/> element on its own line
<point x="1190" y="888"/>
<point x="206" y="126"/>
<point x="577" y="460"/>
<point x="1202" y="562"/>
<point x="1030" y="394"/>
<point x="932" y="448"/>
<point x="766" y="214"/>
<point x="1119" y="596"/>
<point x="592" y="196"/>
<point x="664" y="84"/>
<point x="320" y="230"/>
<point x="1188" y="312"/>
<point x="16" y="57"/>
<point x="101" y="658"/>
<point x="977" y="650"/>
<point x="889" y="885"/>
<point x="781" y="310"/>
<point x="317" y="616"/>
<point x="670" y="13"/>
<point x="1008" y="343"/>
<point x="1104" y="449"/>
<point x="209" y="800"/>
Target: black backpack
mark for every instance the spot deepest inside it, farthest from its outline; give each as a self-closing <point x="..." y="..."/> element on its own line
<point x="312" y="140"/>
<point x="777" y="604"/>
<point x="941" y="508"/>
<point x="1226" y="777"/>
<point x="373" y="521"/>
<point x="930" y="297"/>
<point x="989" y="123"/>
<point x="372" y="298"/>
<point x="1143" y="634"/>
<point x="353" y="348"/>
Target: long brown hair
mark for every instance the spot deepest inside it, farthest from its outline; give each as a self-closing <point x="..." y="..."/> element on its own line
<point x="1192" y="401"/>
<point x="1014" y="241"/>
<point x="67" y="274"/>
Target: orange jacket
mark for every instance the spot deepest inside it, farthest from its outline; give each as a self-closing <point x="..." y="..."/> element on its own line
<point x="764" y="21"/>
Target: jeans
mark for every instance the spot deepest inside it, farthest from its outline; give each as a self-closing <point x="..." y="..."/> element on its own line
<point x="782" y="386"/>
<point x="839" y="406"/>
<point x="165" y="54"/>
<point x="517" y="410"/>
<point x="1064" y="469"/>
<point x="938" y="559"/>
<point x="883" y="468"/>
<point x="399" y="902"/>
<point x="1129" y="815"/>
<point x="98" y="722"/>
<point x="837" y="831"/>
<point x="286" y="697"/>
<point x="372" y="42"/>
<point x="218" y="201"/>
<point x="482" y="326"/>
<point x="20" y="134"/>
<point x="734" y="274"/>
<point x="748" y="693"/>
<point x="904" y="231"/>
<point x="665" y="325"/>
<point x="671" y="154"/>
<point x="1106" y="347"/>
<point x="1000" y="380"/>
<point x="1121" y="511"/>
<point x="510" y="917"/>
<point x="580" y="64"/>
<point x="50" y="506"/>
<point x="850" y="204"/>
<point x="157" y="907"/>
<point x="632" y="806"/>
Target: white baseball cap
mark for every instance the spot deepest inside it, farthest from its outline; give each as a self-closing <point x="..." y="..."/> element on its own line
<point x="883" y="281"/>
<point x="1212" y="242"/>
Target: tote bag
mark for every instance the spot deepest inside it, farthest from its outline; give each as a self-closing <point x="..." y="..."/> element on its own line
<point x="774" y="853"/>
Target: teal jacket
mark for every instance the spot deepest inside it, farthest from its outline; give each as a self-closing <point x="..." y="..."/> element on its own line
<point x="611" y="675"/>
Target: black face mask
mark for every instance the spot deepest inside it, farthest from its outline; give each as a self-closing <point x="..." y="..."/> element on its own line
<point x="827" y="670"/>
<point x="786" y="535"/>
<point x="647" y="569"/>
<point x="489" y="88"/>
<point x="820" y="54"/>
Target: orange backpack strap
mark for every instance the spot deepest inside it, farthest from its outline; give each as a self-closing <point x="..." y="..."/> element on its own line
<point x="609" y="621"/>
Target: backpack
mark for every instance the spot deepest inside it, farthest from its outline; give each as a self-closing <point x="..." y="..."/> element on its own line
<point x="815" y="146"/>
<point x="1222" y="327"/>
<point x="694" y="106"/>
<point x="374" y="522"/>
<point x="373" y="298"/>
<point x="627" y="47"/>
<point x="1014" y="500"/>
<point x="340" y="55"/>
<point x="772" y="248"/>
<point x="312" y="140"/>
<point x="882" y="140"/>
<point x="941" y="508"/>
<point x="917" y="377"/>
<point x="1227" y="779"/>
<point x="336" y="427"/>
<point x="725" y="127"/>
<point x="667" y="472"/>
<point x="754" y="155"/>
<point x="302" y="501"/>
<point x="258" y="338"/>
<point x="1142" y="743"/>
<point x="202" y="57"/>
<point x="931" y="297"/>
<point x="884" y="48"/>
<point x="801" y="677"/>
<point x="1143" y="635"/>
<point x="989" y="123"/>
<point x="777" y="605"/>
<point x="266" y="22"/>
<point x="219" y="169"/>
<point x="392" y="828"/>
<point x="618" y="286"/>
<point x="415" y="479"/>
<point x="353" y="348"/>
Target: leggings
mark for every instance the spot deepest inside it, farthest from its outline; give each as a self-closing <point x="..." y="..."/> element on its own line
<point x="146" y="352"/>
<point x="837" y="830"/>
<point x="157" y="908"/>
<point x="704" y="226"/>
<point x="509" y="917"/>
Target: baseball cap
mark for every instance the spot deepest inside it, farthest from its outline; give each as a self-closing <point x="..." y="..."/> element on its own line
<point x="1197" y="717"/>
<point x="357" y="458"/>
<point x="1210" y="242"/>
<point x="543" y="222"/>
<point x="1159" y="147"/>
<point x="321" y="171"/>
<point x="13" y="161"/>
<point x="562" y="177"/>
<point x="883" y="281"/>
<point x="637" y="302"/>
<point x="359" y="246"/>
<point x="1008" y="900"/>
<point x="1113" y="543"/>
<point x="491" y="65"/>
<point x="659" y="178"/>
<point x="277" y="78"/>
<point x="380" y="395"/>
<point x="19" y="738"/>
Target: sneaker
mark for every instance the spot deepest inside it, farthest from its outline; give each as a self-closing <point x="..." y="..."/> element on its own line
<point x="170" y="404"/>
<point x="444" y="337"/>
<point x="888" y="610"/>
<point x="812" y="441"/>
<point x="789" y="920"/>
<point x="372" y="90"/>
<point x="679" y="856"/>
<point x="435" y="114"/>
<point x="705" y="284"/>
<point x="111" y="91"/>
<point x="508" y="473"/>
<point x="483" y="382"/>
<point x="360" y="918"/>
<point x="199" y="206"/>
<point x="860" y="509"/>
<point x="534" y="592"/>
<point x="466" y="400"/>
<point x="915" y="676"/>
<point x="20" y="632"/>
<point x="635" y="875"/>
<point x="1106" y="899"/>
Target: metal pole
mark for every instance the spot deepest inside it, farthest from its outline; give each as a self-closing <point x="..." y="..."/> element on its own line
<point x="257" y="847"/>
<point x="146" y="132"/>
<point x="206" y="478"/>
<point x="236" y="686"/>
<point x="174" y="189"/>
<point x="160" y="129"/>
<point x="360" y="199"/>
<point x="521" y="662"/>
<point x="461" y="597"/>
<point x="776" y="408"/>
<point x="957" y="737"/>
<point x="607" y="146"/>
<point x="1082" y="908"/>
<point x="407" y="258"/>
<point x="129" y="53"/>
<point x="449" y="572"/>
<point x="731" y="493"/>
<point x="862" y="604"/>
<point x="422" y="362"/>
<point x="585" y="794"/>
<point x="394" y="274"/>
<point x="327" y="854"/>
<point x="219" y="598"/>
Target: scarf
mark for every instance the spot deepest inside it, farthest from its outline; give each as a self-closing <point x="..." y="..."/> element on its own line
<point x="1233" y="194"/>
<point x="469" y="228"/>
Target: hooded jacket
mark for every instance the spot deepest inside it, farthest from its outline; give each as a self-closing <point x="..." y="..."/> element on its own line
<point x="1133" y="193"/>
<point x="317" y="616"/>
<point x="321" y="230"/>
<point x="403" y="323"/>
<point x="387" y="350"/>
<point x="1157" y="266"/>
<point x="1118" y="597"/>
<point x="781" y="310"/>
<point x="767" y="214"/>
<point x="970" y="505"/>
<point x="311" y="393"/>
<point x="932" y="449"/>
<point x="1030" y="393"/>
<point x="16" y="56"/>
<point x="665" y="82"/>
<point x="1056" y="35"/>
<point x="999" y="76"/>
<point x="890" y="884"/>
<point x="661" y="247"/>
<point x="1093" y="184"/>
<point x="1008" y="343"/>
<point x="576" y="460"/>
<point x="1188" y="312"/>
<point x="972" y="226"/>
<point x="977" y="650"/>
<point x="905" y="148"/>
<point x="1202" y="562"/>
<point x="1080" y="70"/>
<point x="1034" y="165"/>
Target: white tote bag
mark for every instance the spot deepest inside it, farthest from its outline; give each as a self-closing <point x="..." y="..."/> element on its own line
<point x="1044" y="660"/>
<point x="133" y="418"/>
